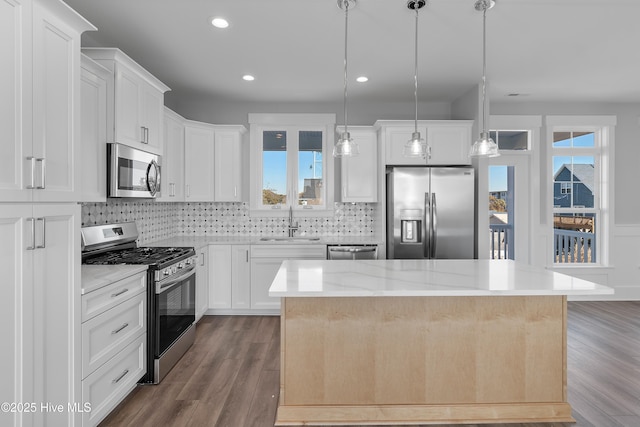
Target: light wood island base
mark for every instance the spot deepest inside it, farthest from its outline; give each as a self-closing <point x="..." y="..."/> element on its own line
<point x="423" y="360"/>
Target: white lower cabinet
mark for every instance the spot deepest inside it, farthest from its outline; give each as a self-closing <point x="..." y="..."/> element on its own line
<point x="202" y="282"/>
<point x="265" y="263"/>
<point x="114" y="337"/>
<point x="229" y="286"/>
<point x="241" y="276"/>
<point x="111" y="382"/>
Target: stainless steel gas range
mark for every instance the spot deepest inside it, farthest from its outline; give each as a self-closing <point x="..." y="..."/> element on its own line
<point x="171" y="285"/>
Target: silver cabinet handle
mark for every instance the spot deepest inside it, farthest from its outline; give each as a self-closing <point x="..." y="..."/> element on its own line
<point x="172" y="189"/>
<point x="33" y="234"/>
<point x="125" y="290"/>
<point x="142" y="135"/>
<point x="115" y="331"/>
<point x="202" y="262"/>
<point x="188" y="190"/>
<point x="44" y="232"/>
<point x="247" y="255"/>
<point x="117" y="380"/>
<point x="42" y="173"/>
<point x="32" y="160"/>
<point x="235" y="191"/>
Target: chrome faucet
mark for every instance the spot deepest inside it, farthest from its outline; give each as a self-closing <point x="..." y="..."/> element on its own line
<point x="292" y="227"/>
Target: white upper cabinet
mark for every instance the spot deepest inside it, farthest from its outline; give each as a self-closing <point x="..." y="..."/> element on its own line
<point x="450" y="141"/>
<point x="40" y="101"/>
<point x="172" y="172"/>
<point x="228" y="163"/>
<point x="97" y="101"/>
<point x="198" y="162"/>
<point x="139" y="100"/>
<point x="213" y="162"/>
<point x="358" y="181"/>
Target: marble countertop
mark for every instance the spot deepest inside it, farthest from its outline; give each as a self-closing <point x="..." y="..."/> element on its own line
<point x="96" y="276"/>
<point x="361" y="278"/>
<point x="200" y="241"/>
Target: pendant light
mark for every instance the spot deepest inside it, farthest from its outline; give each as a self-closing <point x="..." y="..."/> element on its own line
<point x="416" y="146"/>
<point x="484" y="145"/>
<point x="346" y="146"/>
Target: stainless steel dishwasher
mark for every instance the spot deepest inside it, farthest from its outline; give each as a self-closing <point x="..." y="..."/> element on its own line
<point x="352" y="251"/>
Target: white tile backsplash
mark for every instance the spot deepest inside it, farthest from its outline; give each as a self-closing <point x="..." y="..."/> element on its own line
<point x="157" y="220"/>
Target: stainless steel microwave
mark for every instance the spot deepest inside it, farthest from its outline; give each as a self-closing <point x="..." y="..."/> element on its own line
<point x="132" y="172"/>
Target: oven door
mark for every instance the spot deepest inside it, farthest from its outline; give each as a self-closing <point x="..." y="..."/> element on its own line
<point x="132" y="172"/>
<point x="175" y="308"/>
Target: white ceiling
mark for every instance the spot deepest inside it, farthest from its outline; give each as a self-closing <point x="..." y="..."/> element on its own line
<point x="548" y="50"/>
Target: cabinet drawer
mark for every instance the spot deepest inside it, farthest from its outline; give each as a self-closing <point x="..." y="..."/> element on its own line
<point x="113" y="381"/>
<point x="108" y="333"/>
<point x="103" y="299"/>
<point x="289" y="251"/>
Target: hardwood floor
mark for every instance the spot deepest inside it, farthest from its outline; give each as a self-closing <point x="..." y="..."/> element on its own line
<point x="230" y="377"/>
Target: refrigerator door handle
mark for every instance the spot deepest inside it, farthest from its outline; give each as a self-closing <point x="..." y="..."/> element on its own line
<point x="426" y="227"/>
<point x="434" y="225"/>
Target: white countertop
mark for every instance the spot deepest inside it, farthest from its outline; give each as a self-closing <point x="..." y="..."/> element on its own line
<point x="363" y="278"/>
<point x="96" y="276"/>
<point x="200" y="241"/>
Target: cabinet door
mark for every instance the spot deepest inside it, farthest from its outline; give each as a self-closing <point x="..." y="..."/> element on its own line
<point x="152" y="104"/>
<point x="450" y="143"/>
<point x="15" y="104"/>
<point x="263" y="271"/>
<point x="55" y="310"/>
<point x="202" y="282"/>
<point x="359" y="174"/>
<point x="56" y="107"/>
<point x="172" y="160"/>
<point x="221" y="276"/>
<point x="227" y="167"/>
<point x="16" y="264"/>
<point x="241" y="277"/>
<point x="127" y="107"/>
<point x="95" y="83"/>
<point x="198" y="164"/>
<point x="395" y="139"/>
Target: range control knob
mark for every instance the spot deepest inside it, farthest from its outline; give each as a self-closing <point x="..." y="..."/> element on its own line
<point x="166" y="272"/>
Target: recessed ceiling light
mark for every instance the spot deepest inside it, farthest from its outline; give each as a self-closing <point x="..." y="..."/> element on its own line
<point x="362" y="79"/>
<point x="219" y="22"/>
<point x="248" y="77"/>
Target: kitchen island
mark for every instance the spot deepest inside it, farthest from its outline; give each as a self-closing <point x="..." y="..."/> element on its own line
<point x="423" y="341"/>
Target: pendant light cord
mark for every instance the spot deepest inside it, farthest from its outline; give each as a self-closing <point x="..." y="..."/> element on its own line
<point x="484" y="69"/>
<point x="415" y="72"/>
<point x="346" y="31"/>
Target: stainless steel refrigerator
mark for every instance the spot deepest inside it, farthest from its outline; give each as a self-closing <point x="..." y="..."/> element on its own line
<point x="430" y="212"/>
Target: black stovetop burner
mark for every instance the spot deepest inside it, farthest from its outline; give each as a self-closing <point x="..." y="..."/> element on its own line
<point x="142" y="255"/>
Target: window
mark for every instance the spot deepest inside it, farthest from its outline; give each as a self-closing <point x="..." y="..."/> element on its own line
<point x="511" y="139"/>
<point x="579" y="193"/>
<point x="289" y="165"/>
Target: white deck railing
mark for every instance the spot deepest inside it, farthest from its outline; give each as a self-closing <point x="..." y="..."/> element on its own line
<point x="574" y="246"/>
<point x="501" y="246"/>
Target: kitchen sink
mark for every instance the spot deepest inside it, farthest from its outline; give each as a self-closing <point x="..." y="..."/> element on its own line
<point x="290" y="239"/>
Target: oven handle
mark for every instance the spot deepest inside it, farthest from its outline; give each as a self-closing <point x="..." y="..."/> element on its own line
<point x="164" y="287"/>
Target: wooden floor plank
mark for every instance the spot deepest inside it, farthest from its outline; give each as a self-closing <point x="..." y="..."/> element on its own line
<point x="230" y="377"/>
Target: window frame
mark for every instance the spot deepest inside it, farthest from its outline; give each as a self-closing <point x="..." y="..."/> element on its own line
<point x="603" y="128"/>
<point x="292" y="124"/>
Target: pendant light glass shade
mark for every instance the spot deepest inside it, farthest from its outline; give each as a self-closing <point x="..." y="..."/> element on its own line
<point x="346" y="146"/>
<point x="484" y="145"/>
<point x="416" y="146"/>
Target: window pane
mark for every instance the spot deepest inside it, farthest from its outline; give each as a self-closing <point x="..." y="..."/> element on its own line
<point x="574" y="139"/>
<point x="310" y="173"/>
<point x="574" y="238"/>
<point x="511" y="139"/>
<point x="573" y="182"/>
<point x="274" y="167"/>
